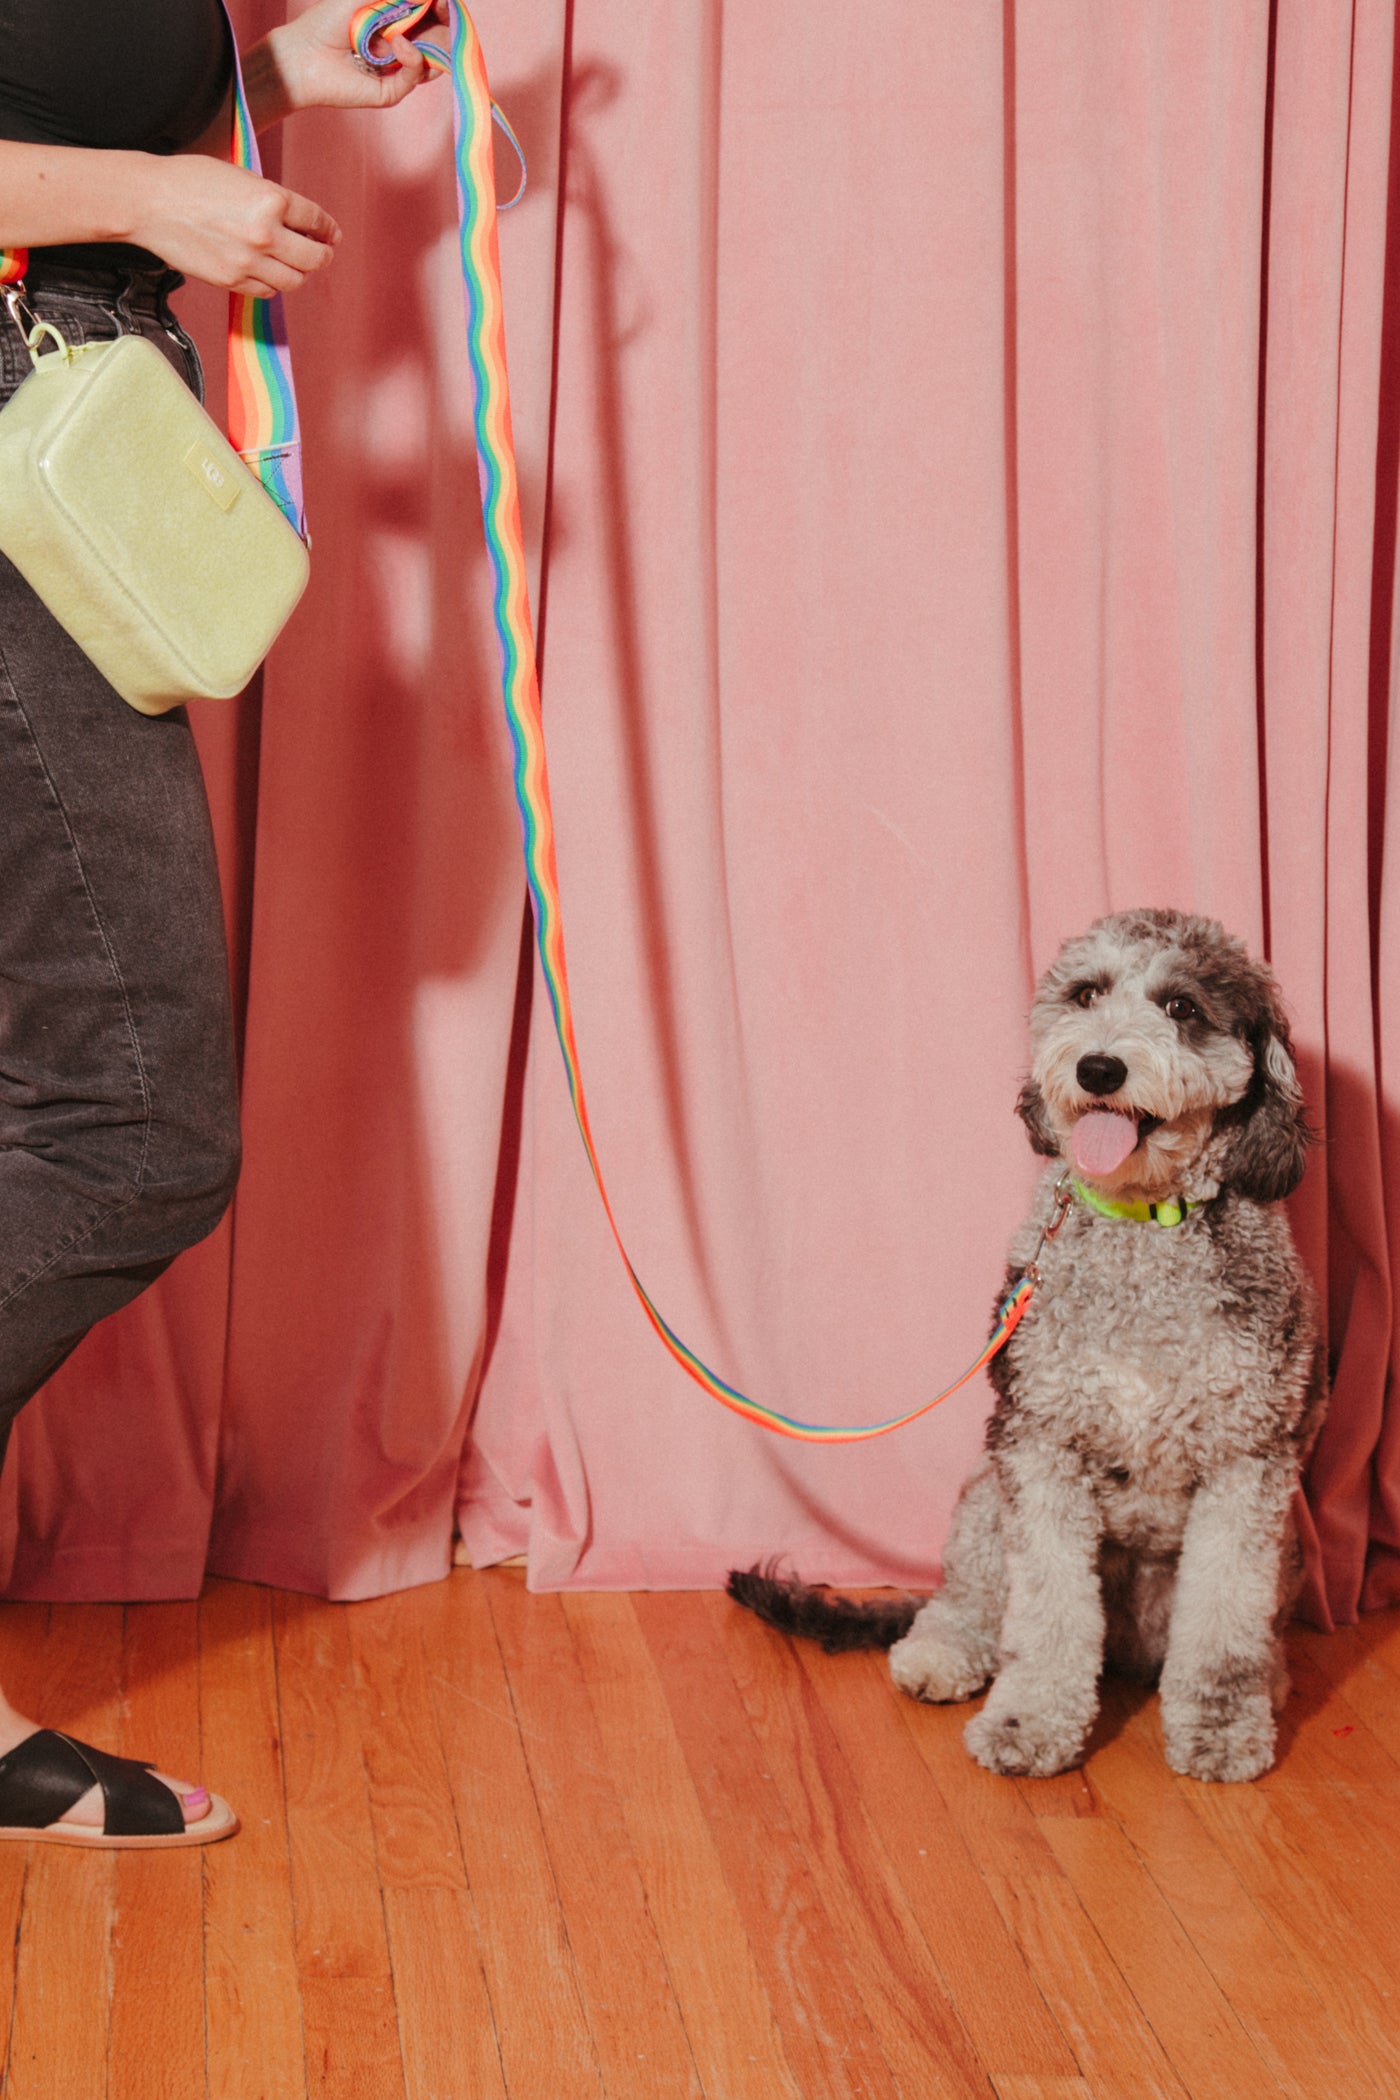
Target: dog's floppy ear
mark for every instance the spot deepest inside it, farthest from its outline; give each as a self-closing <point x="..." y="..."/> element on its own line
<point x="1268" y="1151"/>
<point x="1030" y="1107"/>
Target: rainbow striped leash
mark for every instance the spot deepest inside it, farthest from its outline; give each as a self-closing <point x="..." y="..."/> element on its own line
<point x="500" y="502"/>
<point x="262" y="403"/>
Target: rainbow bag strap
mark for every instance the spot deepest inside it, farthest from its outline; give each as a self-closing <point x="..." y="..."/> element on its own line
<point x="500" y="503"/>
<point x="262" y="402"/>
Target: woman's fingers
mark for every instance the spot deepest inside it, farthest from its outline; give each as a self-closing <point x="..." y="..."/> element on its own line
<point x="267" y="276"/>
<point x="288" y="260"/>
<point x="304" y="242"/>
<point x="410" y="72"/>
<point x="303" y="216"/>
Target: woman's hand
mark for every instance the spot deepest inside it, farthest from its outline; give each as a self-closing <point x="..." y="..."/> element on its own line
<point x="308" y="64"/>
<point x="220" y="223"/>
<point x="204" y="216"/>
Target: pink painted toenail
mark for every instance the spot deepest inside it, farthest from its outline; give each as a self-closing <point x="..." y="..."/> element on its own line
<point x="193" y="1800"/>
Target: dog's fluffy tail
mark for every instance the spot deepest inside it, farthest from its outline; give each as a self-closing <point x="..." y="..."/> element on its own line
<point x="838" y="1623"/>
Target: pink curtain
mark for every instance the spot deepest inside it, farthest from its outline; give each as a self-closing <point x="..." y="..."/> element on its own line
<point x="961" y="450"/>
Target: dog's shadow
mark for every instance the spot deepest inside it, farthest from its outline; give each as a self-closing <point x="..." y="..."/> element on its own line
<point x="1123" y="1701"/>
<point x="1128" y="1705"/>
<point x="1358" y="1733"/>
<point x="1312" y="1690"/>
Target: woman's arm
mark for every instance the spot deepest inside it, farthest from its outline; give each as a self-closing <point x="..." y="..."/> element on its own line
<point x="204" y="217"/>
<point x="197" y="211"/>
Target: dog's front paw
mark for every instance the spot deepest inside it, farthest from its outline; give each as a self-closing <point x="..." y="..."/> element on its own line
<point x="931" y="1668"/>
<point x="1022" y="1741"/>
<point x="1220" y="1740"/>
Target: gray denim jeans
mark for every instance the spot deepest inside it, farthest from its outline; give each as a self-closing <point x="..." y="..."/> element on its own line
<point x="118" y="1098"/>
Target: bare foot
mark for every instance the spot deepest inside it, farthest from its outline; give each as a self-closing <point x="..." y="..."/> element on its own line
<point x="14" y="1727"/>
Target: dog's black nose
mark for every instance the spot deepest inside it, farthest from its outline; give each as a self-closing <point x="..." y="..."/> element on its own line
<point x="1099" y="1074"/>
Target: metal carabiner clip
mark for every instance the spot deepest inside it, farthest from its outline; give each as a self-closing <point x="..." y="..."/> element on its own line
<point x="1063" y="1198"/>
<point x="30" y="326"/>
<point x="20" y="311"/>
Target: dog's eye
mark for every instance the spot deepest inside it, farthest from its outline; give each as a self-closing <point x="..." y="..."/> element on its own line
<point x="1086" y="994"/>
<point x="1180" y="1008"/>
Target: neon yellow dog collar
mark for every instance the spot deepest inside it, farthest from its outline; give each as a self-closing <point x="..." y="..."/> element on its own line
<point x="1171" y="1212"/>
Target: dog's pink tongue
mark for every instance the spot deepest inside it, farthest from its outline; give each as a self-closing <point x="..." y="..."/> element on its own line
<point x="1102" y="1141"/>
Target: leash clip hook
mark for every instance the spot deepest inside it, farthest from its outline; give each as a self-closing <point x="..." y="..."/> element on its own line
<point x="30" y="326"/>
<point x="20" y="310"/>
<point x="1063" y="1198"/>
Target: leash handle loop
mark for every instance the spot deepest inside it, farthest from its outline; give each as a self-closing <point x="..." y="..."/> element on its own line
<point x="389" y="22"/>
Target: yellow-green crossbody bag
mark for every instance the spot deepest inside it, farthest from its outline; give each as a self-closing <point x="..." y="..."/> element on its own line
<point x="171" y="555"/>
<point x="132" y="517"/>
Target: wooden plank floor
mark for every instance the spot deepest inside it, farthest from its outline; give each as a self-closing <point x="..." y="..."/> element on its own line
<point x="504" y="1847"/>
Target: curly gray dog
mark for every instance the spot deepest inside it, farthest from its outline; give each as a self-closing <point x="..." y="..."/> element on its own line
<point x="1155" y="1405"/>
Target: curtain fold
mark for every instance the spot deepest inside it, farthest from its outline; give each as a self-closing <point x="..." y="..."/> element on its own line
<point x="960" y="454"/>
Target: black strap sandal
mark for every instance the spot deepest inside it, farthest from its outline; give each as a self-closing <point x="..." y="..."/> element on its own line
<point x="45" y="1775"/>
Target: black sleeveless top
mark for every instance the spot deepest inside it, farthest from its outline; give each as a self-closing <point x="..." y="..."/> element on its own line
<point x="145" y="75"/>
